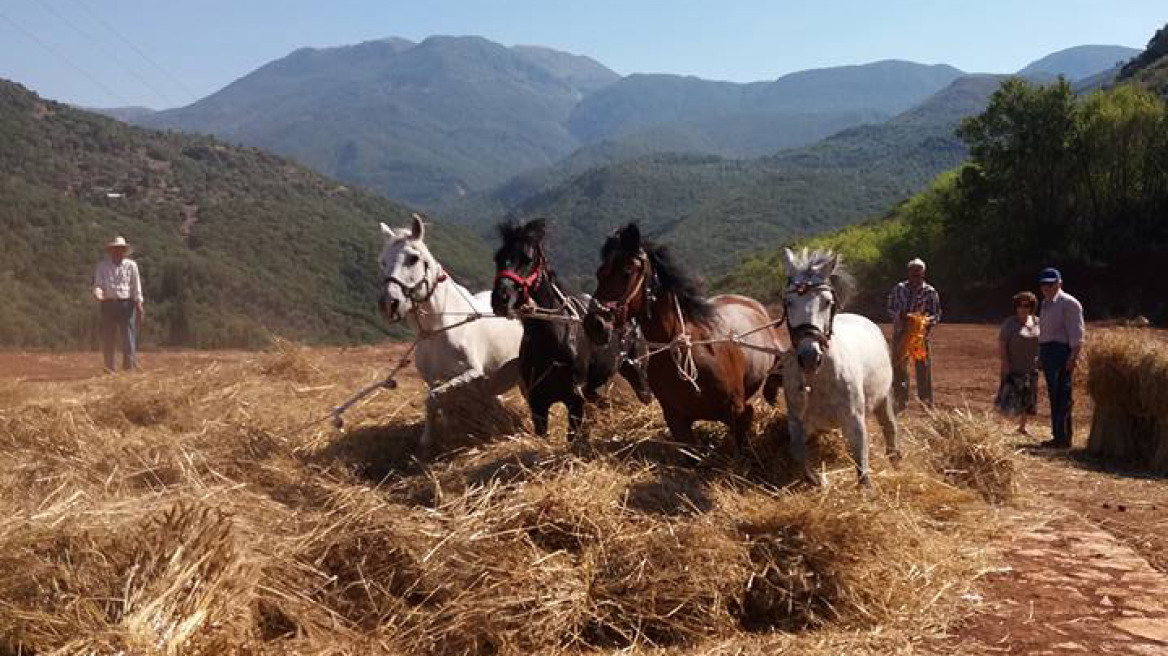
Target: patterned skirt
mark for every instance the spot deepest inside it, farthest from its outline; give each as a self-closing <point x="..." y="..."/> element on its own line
<point x="1018" y="393"/>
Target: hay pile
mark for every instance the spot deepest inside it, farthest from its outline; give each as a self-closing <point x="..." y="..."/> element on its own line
<point x="965" y="448"/>
<point x="202" y="512"/>
<point x="1128" y="381"/>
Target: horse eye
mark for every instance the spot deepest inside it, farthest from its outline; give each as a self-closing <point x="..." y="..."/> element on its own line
<point x="411" y="260"/>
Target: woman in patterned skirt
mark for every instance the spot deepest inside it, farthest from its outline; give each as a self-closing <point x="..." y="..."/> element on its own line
<point x="1018" y="353"/>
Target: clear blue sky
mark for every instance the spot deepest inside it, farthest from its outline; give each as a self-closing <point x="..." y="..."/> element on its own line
<point x="163" y="53"/>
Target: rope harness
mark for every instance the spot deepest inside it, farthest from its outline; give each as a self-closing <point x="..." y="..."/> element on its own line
<point x="643" y="293"/>
<point x="529" y="311"/>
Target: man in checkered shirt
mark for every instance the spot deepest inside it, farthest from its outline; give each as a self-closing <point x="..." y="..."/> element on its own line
<point x="914" y="296"/>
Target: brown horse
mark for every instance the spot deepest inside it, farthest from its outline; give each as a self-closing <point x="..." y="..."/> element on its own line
<point x="704" y="375"/>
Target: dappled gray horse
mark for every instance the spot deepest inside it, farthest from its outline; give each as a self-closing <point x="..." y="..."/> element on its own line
<point x="839" y="368"/>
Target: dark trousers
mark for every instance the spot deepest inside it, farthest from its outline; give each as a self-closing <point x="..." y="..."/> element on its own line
<point x="117" y="330"/>
<point x="1054" y="356"/>
<point x="901" y="373"/>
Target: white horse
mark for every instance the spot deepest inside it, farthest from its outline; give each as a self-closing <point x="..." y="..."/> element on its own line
<point x="839" y="368"/>
<point x="459" y="338"/>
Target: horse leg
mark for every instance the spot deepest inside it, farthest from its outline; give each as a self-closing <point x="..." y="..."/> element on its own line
<point x="886" y="415"/>
<point x="857" y="434"/>
<point x="433" y="401"/>
<point x="576" y="417"/>
<point x="540" y="407"/>
<point x="741" y="427"/>
<point x="680" y="428"/>
<point x="798" y="450"/>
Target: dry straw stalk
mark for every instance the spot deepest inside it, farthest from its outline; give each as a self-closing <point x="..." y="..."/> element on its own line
<point x="203" y="512"/>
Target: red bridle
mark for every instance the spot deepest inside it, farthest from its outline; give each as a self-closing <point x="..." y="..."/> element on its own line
<point x="526" y="283"/>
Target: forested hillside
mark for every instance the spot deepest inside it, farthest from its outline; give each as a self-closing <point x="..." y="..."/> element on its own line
<point x="1053" y="180"/>
<point x="234" y="244"/>
<point x="1150" y="68"/>
<point x="714" y="211"/>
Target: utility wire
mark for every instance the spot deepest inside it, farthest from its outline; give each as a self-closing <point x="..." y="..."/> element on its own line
<point x="117" y="97"/>
<point x="89" y="37"/>
<point x="179" y="83"/>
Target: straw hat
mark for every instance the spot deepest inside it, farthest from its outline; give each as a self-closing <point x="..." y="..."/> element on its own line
<point x="118" y="242"/>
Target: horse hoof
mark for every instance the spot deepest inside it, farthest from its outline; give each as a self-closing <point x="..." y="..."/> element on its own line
<point x="895" y="458"/>
<point x="813" y="478"/>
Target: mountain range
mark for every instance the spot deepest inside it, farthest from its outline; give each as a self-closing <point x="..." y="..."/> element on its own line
<point x="430" y="122"/>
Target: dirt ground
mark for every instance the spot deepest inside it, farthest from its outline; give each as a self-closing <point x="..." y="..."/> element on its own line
<point x="1084" y="568"/>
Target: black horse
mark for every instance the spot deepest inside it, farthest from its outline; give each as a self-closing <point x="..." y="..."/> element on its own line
<point x="557" y="362"/>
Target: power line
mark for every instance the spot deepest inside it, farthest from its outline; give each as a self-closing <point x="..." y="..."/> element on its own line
<point x="108" y="53"/>
<point x="117" y="97"/>
<point x="179" y="83"/>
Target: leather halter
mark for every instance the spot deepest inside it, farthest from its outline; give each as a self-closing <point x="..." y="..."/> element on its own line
<point x="411" y="291"/>
<point x="526" y="283"/>
<point x="620" y="307"/>
<point x="810" y="330"/>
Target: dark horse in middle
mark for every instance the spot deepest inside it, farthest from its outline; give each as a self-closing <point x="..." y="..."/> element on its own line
<point x="698" y="372"/>
<point x="557" y="362"/>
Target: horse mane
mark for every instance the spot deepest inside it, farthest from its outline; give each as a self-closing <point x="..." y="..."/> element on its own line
<point x="513" y="232"/>
<point x="806" y="261"/>
<point x="671" y="278"/>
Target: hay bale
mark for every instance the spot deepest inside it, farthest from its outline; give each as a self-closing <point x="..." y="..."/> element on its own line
<point x="1128" y="381"/>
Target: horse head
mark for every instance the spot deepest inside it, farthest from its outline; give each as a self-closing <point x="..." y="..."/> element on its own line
<point x="621" y="287"/>
<point x="520" y="266"/>
<point x="815" y="289"/>
<point x="409" y="273"/>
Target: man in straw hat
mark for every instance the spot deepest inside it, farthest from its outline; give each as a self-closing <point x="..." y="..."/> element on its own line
<point x="118" y="290"/>
<point x="1060" y="338"/>
<point x="917" y="298"/>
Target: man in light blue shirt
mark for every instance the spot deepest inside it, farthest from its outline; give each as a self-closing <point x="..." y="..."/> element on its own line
<point x="1060" y="339"/>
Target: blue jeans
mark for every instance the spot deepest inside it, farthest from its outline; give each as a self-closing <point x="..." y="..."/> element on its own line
<point x="117" y="328"/>
<point x="1054" y="356"/>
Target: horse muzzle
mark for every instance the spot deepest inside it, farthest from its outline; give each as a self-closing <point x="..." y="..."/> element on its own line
<point x="390" y="308"/>
<point x="810" y="357"/>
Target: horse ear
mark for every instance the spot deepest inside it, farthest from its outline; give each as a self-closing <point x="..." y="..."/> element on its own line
<point x="630" y="237"/>
<point x="506" y="229"/>
<point x="387" y="231"/>
<point x="536" y="229"/>
<point x="417" y="228"/>
<point x="828" y="267"/>
<point x="788" y="261"/>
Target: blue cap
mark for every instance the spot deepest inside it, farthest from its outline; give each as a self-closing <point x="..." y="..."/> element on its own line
<point x="1050" y="274"/>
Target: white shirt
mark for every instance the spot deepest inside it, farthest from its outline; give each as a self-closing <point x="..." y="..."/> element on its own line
<point x="1062" y="320"/>
<point x="118" y="281"/>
